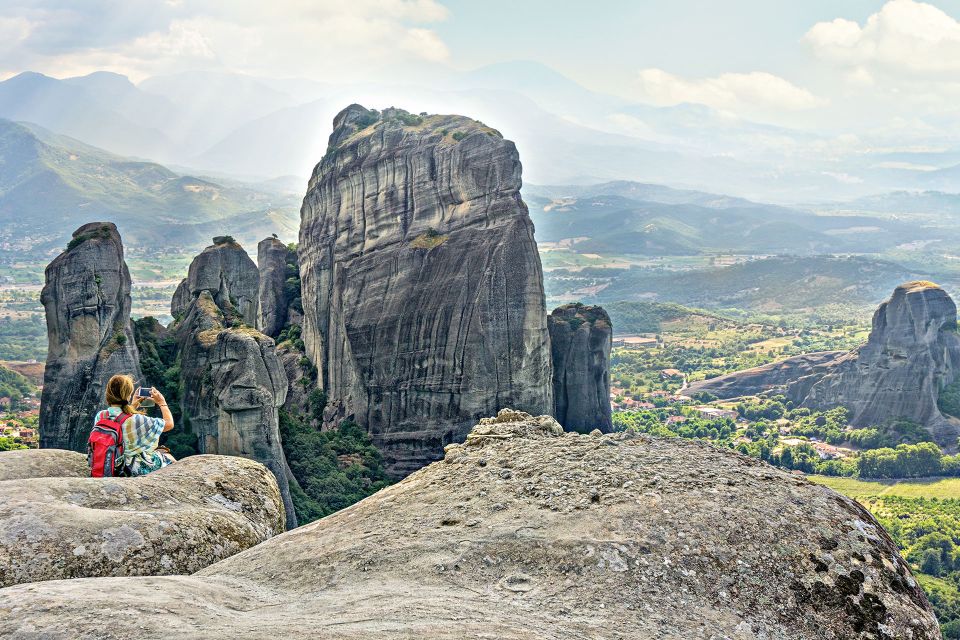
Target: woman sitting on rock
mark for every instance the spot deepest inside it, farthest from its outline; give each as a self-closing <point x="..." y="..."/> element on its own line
<point x="141" y="433"/>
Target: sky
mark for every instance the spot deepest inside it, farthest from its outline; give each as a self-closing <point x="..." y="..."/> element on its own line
<point x="829" y="65"/>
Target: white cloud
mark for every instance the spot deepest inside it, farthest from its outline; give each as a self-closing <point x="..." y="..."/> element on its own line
<point x="734" y="92"/>
<point x="903" y="36"/>
<point x="325" y="39"/>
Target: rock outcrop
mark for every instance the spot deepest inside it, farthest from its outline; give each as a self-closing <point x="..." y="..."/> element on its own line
<point x="771" y="377"/>
<point x="422" y="287"/>
<point x="87" y="302"/>
<point x="228" y="274"/>
<point x="525" y="531"/>
<point x="42" y="463"/>
<point x="581" y="338"/>
<point x="272" y="257"/>
<point x="176" y="520"/>
<point x="912" y="353"/>
<point x="232" y="381"/>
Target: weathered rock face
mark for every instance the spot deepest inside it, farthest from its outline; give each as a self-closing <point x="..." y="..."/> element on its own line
<point x="225" y="271"/>
<point x="176" y="520"/>
<point x="581" y="338"/>
<point x="42" y="463"/>
<point x="422" y="288"/>
<point x="233" y="386"/>
<point x="769" y="377"/>
<point x="526" y="531"/>
<point x="913" y="352"/>
<point x="272" y="263"/>
<point x="232" y="381"/>
<point x="87" y="302"/>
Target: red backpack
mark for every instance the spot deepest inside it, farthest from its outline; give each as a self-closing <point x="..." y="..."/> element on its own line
<point x="105" y="446"/>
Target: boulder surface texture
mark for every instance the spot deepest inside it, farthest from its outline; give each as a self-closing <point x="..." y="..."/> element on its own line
<point x="913" y="352"/>
<point x="42" y="463"/>
<point x="232" y="381"/>
<point x="86" y="298"/>
<point x="581" y="338"/>
<point x="526" y="531"/>
<point x="422" y="286"/>
<point x="176" y="520"/>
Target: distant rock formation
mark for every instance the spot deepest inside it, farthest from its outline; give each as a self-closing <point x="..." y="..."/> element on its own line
<point x="912" y="353"/>
<point x="176" y="520"/>
<point x="772" y="377"/>
<point x="525" y="531"/>
<point x="87" y="302"/>
<point x="232" y="381"/>
<point x="272" y="258"/>
<point x="581" y="338"/>
<point x="422" y="287"/>
<point x="225" y="271"/>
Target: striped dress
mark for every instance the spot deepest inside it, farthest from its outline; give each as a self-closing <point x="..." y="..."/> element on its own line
<point x="141" y="435"/>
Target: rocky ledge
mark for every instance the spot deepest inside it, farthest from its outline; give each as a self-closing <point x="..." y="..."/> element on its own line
<point x="42" y="463"/>
<point x="177" y="520"/>
<point x="526" y="531"/>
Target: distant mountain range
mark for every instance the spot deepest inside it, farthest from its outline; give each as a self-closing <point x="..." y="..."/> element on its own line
<point x="50" y="184"/>
<point x="257" y="129"/>
<point x="652" y="220"/>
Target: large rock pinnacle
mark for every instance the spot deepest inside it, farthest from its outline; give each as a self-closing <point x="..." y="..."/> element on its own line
<point x="233" y="383"/>
<point x="912" y="353"/>
<point x="422" y="287"/>
<point x="87" y="302"/>
<point x="581" y="338"/>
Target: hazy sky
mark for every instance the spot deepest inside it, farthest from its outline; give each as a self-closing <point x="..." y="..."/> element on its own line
<point x="817" y="63"/>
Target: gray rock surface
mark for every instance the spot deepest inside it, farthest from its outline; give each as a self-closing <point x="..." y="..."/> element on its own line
<point x="42" y="463"/>
<point x="528" y="532"/>
<point x="771" y="377"/>
<point x="176" y="520"/>
<point x="912" y="353"/>
<point x="581" y="337"/>
<point x="233" y="386"/>
<point x="422" y="287"/>
<point x="296" y="370"/>
<point x="272" y="263"/>
<point x="86" y="298"/>
<point x="228" y="274"/>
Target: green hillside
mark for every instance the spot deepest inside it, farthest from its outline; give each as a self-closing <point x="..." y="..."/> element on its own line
<point x="50" y="184"/>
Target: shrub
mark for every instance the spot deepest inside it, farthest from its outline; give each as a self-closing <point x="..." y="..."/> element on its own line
<point x="459" y="135"/>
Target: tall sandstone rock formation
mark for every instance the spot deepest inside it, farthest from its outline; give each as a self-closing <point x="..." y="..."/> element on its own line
<point x="581" y="338"/>
<point x="272" y="258"/>
<point x="422" y="287"/>
<point x="912" y="353"/>
<point x="528" y="532"/>
<point x="232" y="381"/>
<point x="87" y="302"/>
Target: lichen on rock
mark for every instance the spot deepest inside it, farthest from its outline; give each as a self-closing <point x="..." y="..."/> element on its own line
<point x="526" y="531"/>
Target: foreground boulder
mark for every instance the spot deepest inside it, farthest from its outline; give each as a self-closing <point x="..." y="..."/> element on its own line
<point x="422" y="286"/>
<point x="176" y="520"/>
<point x="42" y="463"/>
<point x="581" y="337"/>
<point x="525" y="531"/>
<point x="87" y="303"/>
<point x="913" y="352"/>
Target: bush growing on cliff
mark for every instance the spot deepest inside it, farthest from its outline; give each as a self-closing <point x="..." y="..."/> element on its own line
<point x="334" y="469"/>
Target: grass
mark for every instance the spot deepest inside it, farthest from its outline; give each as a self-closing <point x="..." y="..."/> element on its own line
<point x="428" y="241"/>
<point x="914" y="488"/>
